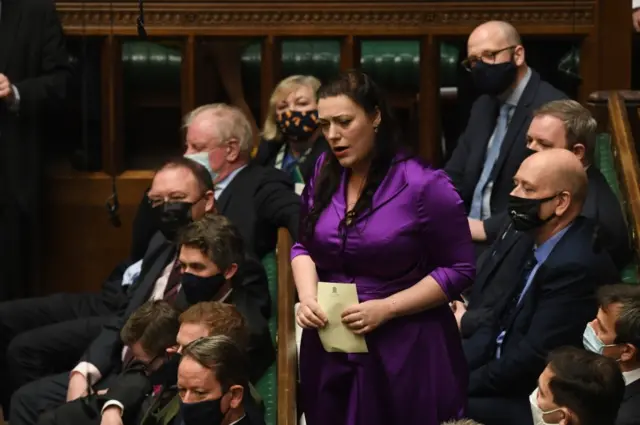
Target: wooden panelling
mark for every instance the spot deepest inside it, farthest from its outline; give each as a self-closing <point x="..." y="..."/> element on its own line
<point x="81" y="244"/>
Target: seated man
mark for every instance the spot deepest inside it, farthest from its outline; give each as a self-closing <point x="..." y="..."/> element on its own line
<point x="46" y="335"/>
<point x="535" y="291"/>
<point x="241" y="280"/>
<point x="576" y="388"/>
<point x="492" y="146"/>
<point x="566" y="124"/>
<point x="615" y="333"/>
<point x="257" y="199"/>
<point x="212" y="378"/>
<point x="149" y="333"/>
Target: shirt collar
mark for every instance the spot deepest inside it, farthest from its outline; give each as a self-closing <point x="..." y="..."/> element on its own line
<point x="543" y="251"/>
<point x="631" y="376"/>
<point x="516" y="93"/>
<point x="222" y="184"/>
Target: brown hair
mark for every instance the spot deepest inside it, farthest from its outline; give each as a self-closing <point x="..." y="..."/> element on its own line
<point x="579" y="124"/>
<point x="201" y="174"/>
<point x="154" y="325"/>
<point x="217" y="238"/>
<point x="220" y="319"/>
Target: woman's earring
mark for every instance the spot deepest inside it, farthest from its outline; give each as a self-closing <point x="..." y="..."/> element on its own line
<point x="375" y="129"/>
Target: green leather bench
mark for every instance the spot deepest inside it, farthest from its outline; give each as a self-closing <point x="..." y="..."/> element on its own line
<point x="395" y="64"/>
<point x="605" y="162"/>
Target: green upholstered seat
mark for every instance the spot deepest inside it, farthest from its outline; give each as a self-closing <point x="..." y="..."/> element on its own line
<point x="605" y="162"/>
<point x="150" y="65"/>
<point x="395" y="64"/>
<point x="267" y="386"/>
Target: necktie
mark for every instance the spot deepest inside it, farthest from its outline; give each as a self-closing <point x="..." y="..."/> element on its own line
<point x="493" y="152"/>
<point x="173" y="284"/>
<point x="510" y="308"/>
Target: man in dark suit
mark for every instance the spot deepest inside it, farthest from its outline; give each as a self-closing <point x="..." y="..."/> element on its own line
<point x="34" y="72"/>
<point x="577" y="387"/>
<point x="212" y="378"/>
<point x="177" y="199"/>
<point x="257" y="199"/>
<point x="535" y="288"/>
<point x="615" y="333"/>
<point x="566" y="124"/>
<point x="492" y="146"/>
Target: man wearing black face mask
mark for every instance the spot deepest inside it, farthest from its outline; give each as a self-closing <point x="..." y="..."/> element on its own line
<point x="181" y="182"/>
<point x="492" y="146"/>
<point x="211" y="381"/>
<point x="536" y="290"/>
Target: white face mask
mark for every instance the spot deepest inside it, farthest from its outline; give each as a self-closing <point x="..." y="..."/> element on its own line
<point x="591" y="341"/>
<point x="536" y="412"/>
<point x="202" y="158"/>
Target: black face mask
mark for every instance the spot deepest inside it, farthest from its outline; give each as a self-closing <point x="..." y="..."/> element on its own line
<point x="528" y="152"/>
<point x="206" y="412"/>
<point x="172" y="216"/>
<point x="167" y="374"/>
<point x="298" y="125"/>
<point x="525" y="212"/>
<point x="198" y="289"/>
<point x="494" y="79"/>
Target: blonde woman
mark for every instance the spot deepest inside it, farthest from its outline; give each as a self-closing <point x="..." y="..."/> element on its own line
<point x="290" y="137"/>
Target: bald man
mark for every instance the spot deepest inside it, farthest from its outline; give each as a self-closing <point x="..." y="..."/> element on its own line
<point x="493" y="144"/>
<point x="536" y="289"/>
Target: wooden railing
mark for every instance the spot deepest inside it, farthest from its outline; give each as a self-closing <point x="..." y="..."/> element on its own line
<point x="611" y="111"/>
<point x="626" y="157"/>
<point x="287" y="361"/>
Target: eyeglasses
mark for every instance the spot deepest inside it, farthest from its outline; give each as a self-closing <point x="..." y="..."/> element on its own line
<point x="488" y="57"/>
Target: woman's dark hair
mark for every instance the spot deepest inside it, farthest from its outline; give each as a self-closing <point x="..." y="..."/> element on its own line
<point x="364" y="92"/>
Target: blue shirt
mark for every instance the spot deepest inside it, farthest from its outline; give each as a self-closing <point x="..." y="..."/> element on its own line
<point x="541" y="253"/>
<point x="222" y="184"/>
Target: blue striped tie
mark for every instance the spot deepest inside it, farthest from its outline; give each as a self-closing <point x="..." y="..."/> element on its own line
<point x="490" y="161"/>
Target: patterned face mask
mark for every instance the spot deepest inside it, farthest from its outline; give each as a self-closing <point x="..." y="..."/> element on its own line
<point x="297" y="125"/>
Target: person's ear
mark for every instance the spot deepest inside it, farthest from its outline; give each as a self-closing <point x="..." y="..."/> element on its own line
<point x="563" y="205"/>
<point x="579" y="150"/>
<point x="377" y="118"/>
<point x="629" y="352"/>
<point x="236" y="397"/>
<point x="518" y="55"/>
<point x="209" y="201"/>
<point x="231" y="271"/>
<point x="232" y="150"/>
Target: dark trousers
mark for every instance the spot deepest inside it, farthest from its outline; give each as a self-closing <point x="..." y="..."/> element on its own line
<point x="39" y="399"/>
<point x="18" y="259"/>
<point x="499" y="410"/>
<point x="45" y="335"/>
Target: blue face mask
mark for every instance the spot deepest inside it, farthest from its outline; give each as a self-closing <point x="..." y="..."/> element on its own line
<point x="202" y="158"/>
<point x="592" y="342"/>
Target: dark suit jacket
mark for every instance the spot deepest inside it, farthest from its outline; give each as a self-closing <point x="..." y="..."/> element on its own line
<point x="258" y="201"/>
<point x="34" y="58"/>
<point x="250" y="296"/>
<point x="602" y="207"/>
<point x="268" y="151"/>
<point x="467" y="160"/>
<point x="553" y="312"/>
<point x="629" y="413"/>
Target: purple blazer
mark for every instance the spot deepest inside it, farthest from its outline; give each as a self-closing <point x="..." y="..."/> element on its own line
<point x="415" y="371"/>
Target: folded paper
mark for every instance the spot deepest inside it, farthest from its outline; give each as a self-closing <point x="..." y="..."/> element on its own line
<point x="336" y="337"/>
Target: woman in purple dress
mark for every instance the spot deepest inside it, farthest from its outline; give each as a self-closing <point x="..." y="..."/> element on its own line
<point x="378" y="217"/>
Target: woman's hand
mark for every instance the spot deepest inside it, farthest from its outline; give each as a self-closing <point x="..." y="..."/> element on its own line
<point x="364" y="317"/>
<point x="310" y="315"/>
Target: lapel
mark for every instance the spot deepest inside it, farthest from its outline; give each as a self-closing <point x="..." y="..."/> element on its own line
<point x="519" y="118"/>
<point x="632" y="390"/>
<point x="9" y="36"/>
<point x="393" y="183"/>
<point x="142" y="292"/>
<point x="496" y="256"/>
<point x="222" y="203"/>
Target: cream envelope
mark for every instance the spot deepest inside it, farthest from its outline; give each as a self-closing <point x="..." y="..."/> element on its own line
<point x="334" y="298"/>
